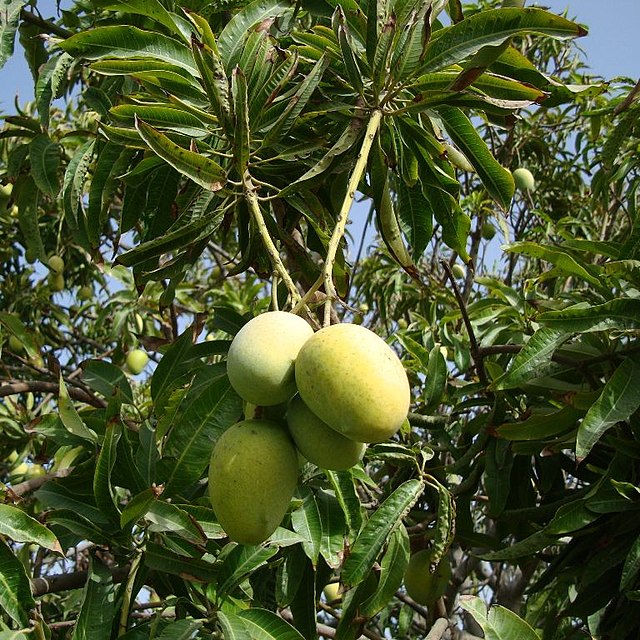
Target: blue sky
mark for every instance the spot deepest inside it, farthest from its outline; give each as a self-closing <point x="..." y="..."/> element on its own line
<point x="612" y="47"/>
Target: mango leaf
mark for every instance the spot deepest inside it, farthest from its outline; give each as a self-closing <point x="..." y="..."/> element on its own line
<point x="232" y="37"/>
<point x="98" y="607"/>
<point x="107" y="379"/>
<point x="126" y="42"/>
<point x="160" y="558"/>
<point x="558" y="257"/>
<point x="392" y="567"/>
<point x="455" y="223"/>
<point x="620" y="399"/>
<point x="21" y="527"/>
<point x="436" y="379"/>
<point x="209" y="407"/>
<point x="373" y="536"/>
<point x="165" y="516"/>
<point x="569" y="518"/>
<point x="44" y="155"/>
<point x="77" y="524"/>
<point x="528" y="363"/>
<point x="257" y="624"/>
<point x="70" y="417"/>
<point x="498" y="623"/>
<point x="8" y="26"/>
<point x="232" y="626"/>
<point x="27" y="202"/>
<point x="541" y="426"/>
<point x="199" y="168"/>
<point x="14" y="325"/>
<point x="239" y="563"/>
<point x="306" y="522"/>
<point x="103" y="489"/>
<point x="490" y="28"/>
<point x="526" y="547"/>
<point x="153" y="9"/>
<point x="344" y="488"/>
<point x="631" y="567"/>
<point x="180" y="629"/>
<point x="497" y="180"/>
<point x="416" y="217"/>
<point x="621" y="314"/>
<point x="15" y="592"/>
<point x="333" y="528"/>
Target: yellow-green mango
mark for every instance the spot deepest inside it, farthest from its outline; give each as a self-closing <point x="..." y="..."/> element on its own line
<point x="252" y="477"/>
<point x="261" y="358"/>
<point x="524" y="179"/>
<point x="318" y="442"/>
<point x="424" y="586"/>
<point x="352" y="380"/>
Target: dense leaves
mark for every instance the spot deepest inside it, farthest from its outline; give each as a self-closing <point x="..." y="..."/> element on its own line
<point x="212" y="161"/>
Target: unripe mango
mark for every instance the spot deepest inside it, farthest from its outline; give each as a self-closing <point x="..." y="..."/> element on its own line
<point x="252" y="477"/>
<point x="318" y="442"/>
<point x="262" y="355"/>
<point x="524" y="179"/>
<point x="421" y="584"/>
<point x="352" y="380"/>
<point x="136" y="361"/>
<point x="56" y="264"/>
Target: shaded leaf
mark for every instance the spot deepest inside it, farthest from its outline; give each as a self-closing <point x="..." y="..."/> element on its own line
<point x="498" y="623"/>
<point x="15" y="591"/>
<point x="21" y="527"/>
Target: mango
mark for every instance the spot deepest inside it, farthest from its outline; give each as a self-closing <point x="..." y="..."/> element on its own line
<point x="352" y="380"/>
<point x="56" y="264"/>
<point x="260" y="363"/>
<point x="318" y="442"/>
<point x="136" y="361"/>
<point x="524" y="179"/>
<point x="252" y="477"/>
<point x="424" y="586"/>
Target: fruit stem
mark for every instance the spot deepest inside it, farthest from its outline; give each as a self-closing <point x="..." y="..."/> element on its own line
<point x="274" y="255"/>
<point x="338" y="232"/>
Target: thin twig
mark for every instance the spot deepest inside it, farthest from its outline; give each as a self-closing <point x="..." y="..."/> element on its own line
<point x="50" y="387"/>
<point x="473" y="343"/>
<point x="626" y="103"/>
<point x="46" y="25"/>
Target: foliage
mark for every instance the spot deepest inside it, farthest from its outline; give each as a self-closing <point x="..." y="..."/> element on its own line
<point x="203" y="168"/>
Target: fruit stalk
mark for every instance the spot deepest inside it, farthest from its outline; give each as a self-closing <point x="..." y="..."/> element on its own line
<point x="274" y="255"/>
<point x="343" y="215"/>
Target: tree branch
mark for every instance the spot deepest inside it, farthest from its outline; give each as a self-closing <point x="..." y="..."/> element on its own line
<point x="626" y="103"/>
<point x="46" y="25"/>
<point x="438" y="629"/>
<point x="70" y="581"/>
<point x="24" y="386"/>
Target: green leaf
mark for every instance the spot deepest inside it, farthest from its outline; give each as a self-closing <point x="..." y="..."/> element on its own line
<point x="416" y="217"/>
<point x="436" y="382"/>
<point x="165" y="516"/>
<point x="73" y="187"/>
<point x="497" y="180"/>
<point x="529" y="361"/>
<point x="73" y="521"/>
<point x="70" y="417"/>
<point x="98" y="607"/>
<point x="541" y="426"/>
<point x="15" y="591"/>
<point x="455" y="223"/>
<point x="333" y="528"/>
<point x="28" y="217"/>
<point x="239" y="563"/>
<point x="164" y="116"/>
<point x="21" y="527"/>
<point x="526" y="547"/>
<point x="558" y="257"/>
<point x="180" y="629"/>
<point x="199" y="168"/>
<point x="44" y="155"/>
<point x="569" y="518"/>
<point x="153" y="9"/>
<point x="232" y="37"/>
<point x="241" y="135"/>
<point x="103" y="489"/>
<point x="306" y="522"/>
<point x="8" y="27"/>
<point x="631" y="567"/>
<point x="392" y="567"/>
<point x="161" y="559"/>
<point x="262" y="624"/>
<point x="107" y="379"/>
<point x="498" y="623"/>
<point x="490" y="28"/>
<point x="15" y="326"/>
<point x="232" y="626"/>
<point x="620" y="314"/>
<point x="445" y="524"/>
<point x="619" y="399"/>
<point x="127" y="42"/>
<point x="344" y="488"/>
<point x="209" y="408"/>
<point x="373" y="536"/>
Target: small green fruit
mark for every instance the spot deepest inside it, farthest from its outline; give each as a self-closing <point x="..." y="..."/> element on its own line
<point x="459" y="271"/>
<point x="6" y="190"/>
<point x="15" y="344"/>
<point x="318" y="442"/>
<point x="136" y="361"/>
<point x="85" y="292"/>
<point x="56" y="282"/>
<point x="56" y="264"/>
<point x="21" y="470"/>
<point x="524" y="179"/>
<point x="421" y="584"/>
<point x="402" y="323"/>
<point x="332" y="592"/>
<point x="262" y="355"/>
<point x="14" y="211"/>
<point x="352" y="380"/>
<point x="252" y="477"/>
<point x="487" y="231"/>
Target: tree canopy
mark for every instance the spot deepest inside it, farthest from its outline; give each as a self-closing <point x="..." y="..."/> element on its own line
<point x="188" y="166"/>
